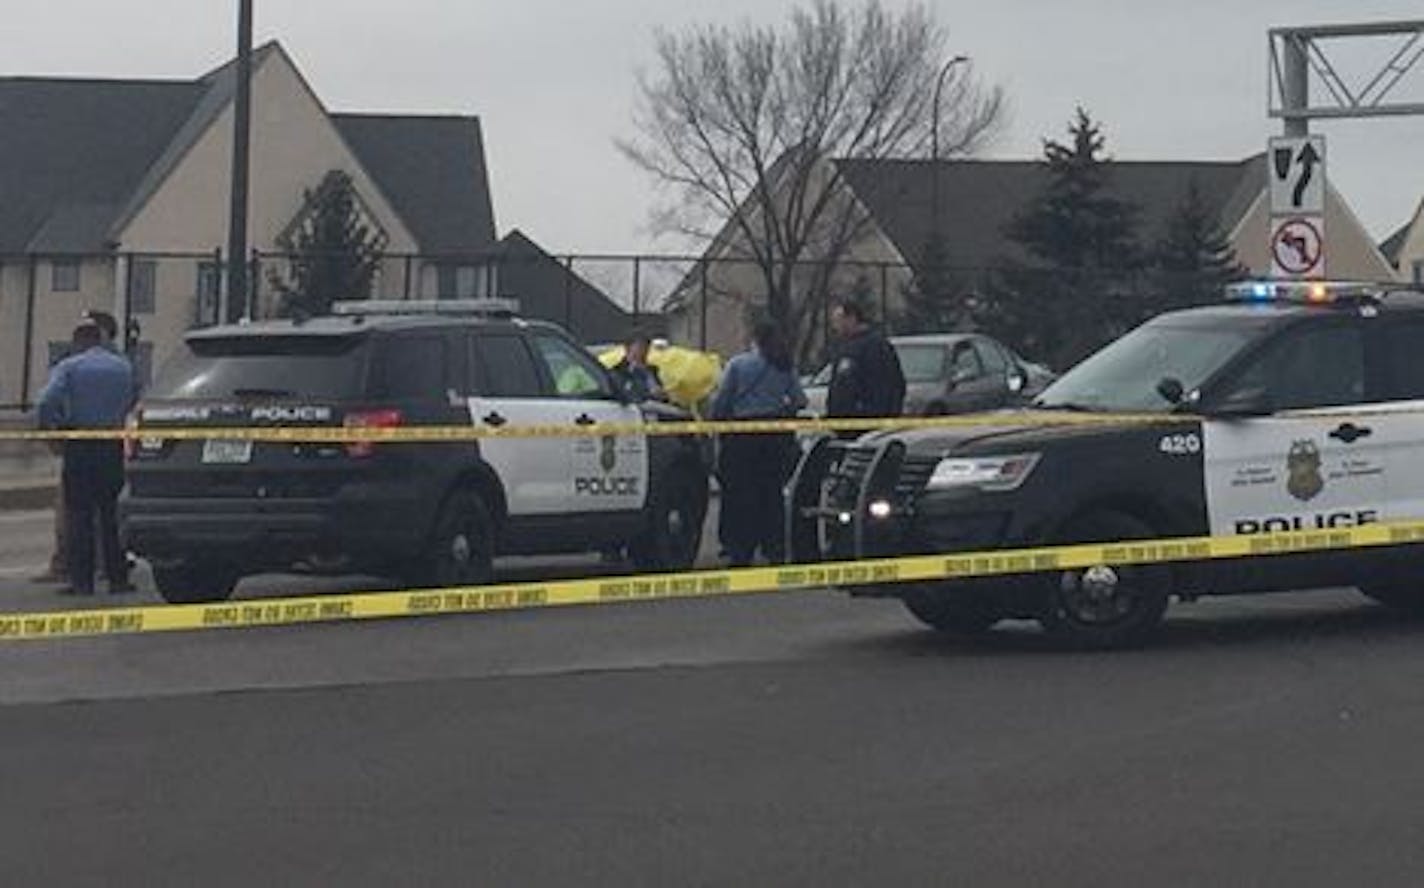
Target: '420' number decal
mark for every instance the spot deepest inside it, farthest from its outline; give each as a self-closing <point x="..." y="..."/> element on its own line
<point x="1180" y="445"/>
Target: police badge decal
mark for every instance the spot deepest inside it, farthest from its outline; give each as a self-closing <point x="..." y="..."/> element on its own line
<point x="1304" y="481"/>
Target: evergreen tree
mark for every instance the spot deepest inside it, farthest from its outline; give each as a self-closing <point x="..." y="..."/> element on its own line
<point x="1077" y="289"/>
<point x="334" y="252"/>
<point x="1193" y="258"/>
<point x="928" y="299"/>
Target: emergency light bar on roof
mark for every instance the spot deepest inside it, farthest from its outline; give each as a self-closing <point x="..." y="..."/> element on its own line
<point x="1304" y="292"/>
<point x="455" y="307"/>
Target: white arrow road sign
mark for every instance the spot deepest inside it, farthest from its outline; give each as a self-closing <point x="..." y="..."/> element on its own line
<point x="1297" y="174"/>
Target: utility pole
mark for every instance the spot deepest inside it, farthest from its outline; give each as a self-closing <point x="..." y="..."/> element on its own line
<point x="934" y="141"/>
<point x="237" y="283"/>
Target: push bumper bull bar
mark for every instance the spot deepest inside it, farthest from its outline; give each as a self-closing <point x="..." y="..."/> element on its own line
<point x="822" y="470"/>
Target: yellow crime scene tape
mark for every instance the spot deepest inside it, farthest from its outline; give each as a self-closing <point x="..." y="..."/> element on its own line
<point x="446" y="433"/>
<point x="436" y="433"/>
<point x="693" y="584"/>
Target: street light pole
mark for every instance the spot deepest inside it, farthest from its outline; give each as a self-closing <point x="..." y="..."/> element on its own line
<point x="934" y="140"/>
<point x="936" y="240"/>
<point x="237" y="285"/>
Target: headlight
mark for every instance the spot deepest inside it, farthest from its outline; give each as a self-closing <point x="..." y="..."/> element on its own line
<point x="984" y="472"/>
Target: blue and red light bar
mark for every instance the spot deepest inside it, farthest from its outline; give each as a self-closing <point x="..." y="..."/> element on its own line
<point x="1300" y="292"/>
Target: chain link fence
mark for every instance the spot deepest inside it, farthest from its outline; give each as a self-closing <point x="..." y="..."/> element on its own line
<point x="708" y="304"/>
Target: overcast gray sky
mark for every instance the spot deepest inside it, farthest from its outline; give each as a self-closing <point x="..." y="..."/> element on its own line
<point x="553" y="81"/>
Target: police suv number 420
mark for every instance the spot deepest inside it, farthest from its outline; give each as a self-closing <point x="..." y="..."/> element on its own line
<point x="1180" y="445"/>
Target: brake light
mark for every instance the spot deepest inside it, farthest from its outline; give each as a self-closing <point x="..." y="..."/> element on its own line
<point x="370" y="419"/>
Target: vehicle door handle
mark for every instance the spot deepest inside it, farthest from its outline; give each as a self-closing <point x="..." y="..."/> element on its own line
<point x="1350" y="433"/>
<point x="494" y="419"/>
<point x="584" y="419"/>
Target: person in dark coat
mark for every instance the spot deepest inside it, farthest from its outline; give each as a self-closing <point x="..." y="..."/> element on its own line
<point x="635" y="376"/>
<point x="752" y="468"/>
<point x="866" y="377"/>
<point x="91" y="389"/>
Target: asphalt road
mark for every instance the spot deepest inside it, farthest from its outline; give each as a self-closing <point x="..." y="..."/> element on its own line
<point x="800" y="739"/>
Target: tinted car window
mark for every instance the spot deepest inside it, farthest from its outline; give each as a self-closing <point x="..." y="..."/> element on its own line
<point x="410" y="367"/>
<point x="1315" y="367"/>
<point x="992" y="356"/>
<point x="574" y="373"/>
<point x="1404" y="348"/>
<point x="505" y="369"/>
<point x="317" y="367"/>
<point x="921" y="363"/>
<point x="966" y="362"/>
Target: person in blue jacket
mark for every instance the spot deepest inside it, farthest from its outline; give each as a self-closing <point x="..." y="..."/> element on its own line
<point x="93" y="388"/>
<point x="752" y="468"/>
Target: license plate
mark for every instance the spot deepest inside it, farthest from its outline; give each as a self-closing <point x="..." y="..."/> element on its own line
<point x="228" y="453"/>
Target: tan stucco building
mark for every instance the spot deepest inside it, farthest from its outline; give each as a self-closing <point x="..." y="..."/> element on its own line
<point x="1405" y="248"/>
<point x="116" y="198"/>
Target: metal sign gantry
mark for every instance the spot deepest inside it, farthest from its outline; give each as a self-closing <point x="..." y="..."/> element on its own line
<point x="1296" y="53"/>
<point x="1296" y="160"/>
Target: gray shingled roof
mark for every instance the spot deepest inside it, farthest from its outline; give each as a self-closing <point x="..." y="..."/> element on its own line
<point x="978" y="198"/>
<point x="433" y="170"/>
<point x="74" y="151"/>
<point x="546" y="289"/>
<point x="78" y="158"/>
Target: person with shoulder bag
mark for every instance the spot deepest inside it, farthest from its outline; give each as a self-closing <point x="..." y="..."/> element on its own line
<point x="760" y="383"/>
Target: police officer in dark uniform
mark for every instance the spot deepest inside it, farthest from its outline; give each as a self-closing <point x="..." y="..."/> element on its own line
<point x="866" y="378"/>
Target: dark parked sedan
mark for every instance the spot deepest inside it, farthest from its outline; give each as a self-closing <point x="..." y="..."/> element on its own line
<point x="953" y="373"/>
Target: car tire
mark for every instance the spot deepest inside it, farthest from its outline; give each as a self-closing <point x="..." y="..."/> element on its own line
<point x="195" y="582"/>
<point x="954" y="613"/>
<point x="673" y="519"/>
<point x="460" y="548"/>
<point x="1104" y="607"/>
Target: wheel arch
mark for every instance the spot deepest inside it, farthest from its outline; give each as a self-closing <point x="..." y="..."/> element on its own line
<point x="482" y="479"/>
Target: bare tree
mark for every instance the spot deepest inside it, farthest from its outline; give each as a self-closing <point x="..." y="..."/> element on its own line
<point x="738" y="125"/>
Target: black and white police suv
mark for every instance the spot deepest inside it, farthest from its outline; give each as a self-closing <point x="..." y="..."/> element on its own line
<point x="207" y="512"/>
<point x="1291" y="406"/>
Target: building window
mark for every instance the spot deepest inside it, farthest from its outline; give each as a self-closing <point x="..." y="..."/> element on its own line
<point x="207" y="293"/>
<point x="463" y="281"/>
<point x="64" y="276"/>
<point x="1419" y="271"/>
<point x="143" y="286"/>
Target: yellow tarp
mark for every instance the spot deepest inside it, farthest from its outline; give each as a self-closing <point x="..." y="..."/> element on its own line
<point x="688" y="376"/>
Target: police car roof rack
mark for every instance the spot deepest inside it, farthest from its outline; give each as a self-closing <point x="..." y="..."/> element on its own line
<point x="491" y="308"/>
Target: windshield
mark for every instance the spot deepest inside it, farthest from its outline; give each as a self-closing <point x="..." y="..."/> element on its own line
<point x="315" y="367"/>
<point x="1125" y="375"/>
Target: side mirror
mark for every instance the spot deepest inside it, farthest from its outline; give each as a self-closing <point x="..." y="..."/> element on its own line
<point x="1017" y="381"/>
<point x="1171" y="390"/>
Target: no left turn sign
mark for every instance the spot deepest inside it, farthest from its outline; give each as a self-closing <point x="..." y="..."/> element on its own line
<point x="1298" y="247"/>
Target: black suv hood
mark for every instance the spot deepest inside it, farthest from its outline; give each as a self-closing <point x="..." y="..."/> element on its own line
<point x="1004" y="430"/>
